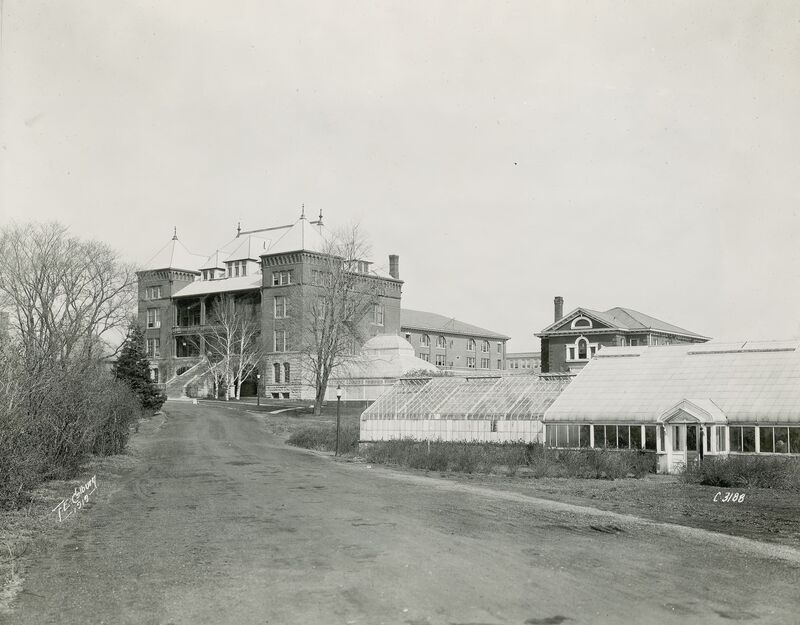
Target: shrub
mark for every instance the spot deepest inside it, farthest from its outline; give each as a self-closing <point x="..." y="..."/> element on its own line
<point x="745" y="471"/>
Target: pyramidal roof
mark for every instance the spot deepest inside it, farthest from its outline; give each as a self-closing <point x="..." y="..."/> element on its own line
<point x="302" y="235"/>
<point x="174" y="255"/>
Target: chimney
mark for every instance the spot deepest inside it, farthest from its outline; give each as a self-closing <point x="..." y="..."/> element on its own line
<point x="394" y="266"/>
<point x="559" y="307"/>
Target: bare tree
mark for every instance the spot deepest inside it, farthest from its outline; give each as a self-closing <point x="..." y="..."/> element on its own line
<point x="65" y="298"/>
<point x="64" y="295"/>
<point x="233" y="342"/>
<point x="335" y="311"/>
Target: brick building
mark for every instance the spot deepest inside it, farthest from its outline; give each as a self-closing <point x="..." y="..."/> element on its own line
<point x="573" y="339"/>
<point x="274" y="271"/>
<point x="524" y="362"/>
<point x="452" y="344"/>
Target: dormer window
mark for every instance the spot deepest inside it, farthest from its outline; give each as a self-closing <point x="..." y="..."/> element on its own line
<point x="237" y="268"/>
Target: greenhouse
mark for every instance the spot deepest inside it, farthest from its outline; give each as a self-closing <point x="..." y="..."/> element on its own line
<point x="480" y="408"/>
<point x="684" y="402"/>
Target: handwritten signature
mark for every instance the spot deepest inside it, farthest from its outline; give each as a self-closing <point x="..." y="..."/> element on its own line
<point x="79" y="498"/>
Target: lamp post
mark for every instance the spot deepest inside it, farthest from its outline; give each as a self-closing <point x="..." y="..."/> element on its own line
<point x="338" y="404"/>
<point x="258" y="392"/>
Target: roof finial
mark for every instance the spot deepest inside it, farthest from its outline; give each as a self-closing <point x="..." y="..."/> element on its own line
<point x="238" y="229"/>
<point x="303" y="210"/>
<point x="174" y="233"/>
<point x="319" y="221"/>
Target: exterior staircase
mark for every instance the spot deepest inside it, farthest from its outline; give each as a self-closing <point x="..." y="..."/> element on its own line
<point x="175" y="387"/>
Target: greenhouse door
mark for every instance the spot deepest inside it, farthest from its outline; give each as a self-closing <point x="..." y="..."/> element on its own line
<point x="694" y="444"/>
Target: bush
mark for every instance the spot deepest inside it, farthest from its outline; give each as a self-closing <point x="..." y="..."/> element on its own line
<point x="80" y="411"/>
<point x="746" y="471"/>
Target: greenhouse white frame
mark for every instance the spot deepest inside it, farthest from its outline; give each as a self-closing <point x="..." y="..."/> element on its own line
<point x="469" y="408"/>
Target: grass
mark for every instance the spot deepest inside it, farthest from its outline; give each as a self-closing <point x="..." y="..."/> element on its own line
<point x="323" y="438"/>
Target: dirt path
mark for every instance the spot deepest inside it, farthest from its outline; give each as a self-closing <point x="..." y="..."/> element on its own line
<point x="220" y="523"/>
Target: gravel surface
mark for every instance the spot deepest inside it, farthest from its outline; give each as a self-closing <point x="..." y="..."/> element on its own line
<point x="219" y="522"/>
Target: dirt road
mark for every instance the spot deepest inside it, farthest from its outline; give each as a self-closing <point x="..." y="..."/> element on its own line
<point x="221" y="523"/>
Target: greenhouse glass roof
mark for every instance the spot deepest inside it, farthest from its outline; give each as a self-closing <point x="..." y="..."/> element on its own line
<point x="752" y="382"/>
<point x="496" y="398"/>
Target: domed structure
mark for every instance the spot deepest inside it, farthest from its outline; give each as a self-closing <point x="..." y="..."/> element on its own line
<point x="388" y="356"/>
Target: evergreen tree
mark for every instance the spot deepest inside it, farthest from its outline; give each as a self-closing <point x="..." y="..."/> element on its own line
<point x="133" y="368"/>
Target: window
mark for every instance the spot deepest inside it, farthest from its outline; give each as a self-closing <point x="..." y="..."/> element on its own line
<point x="425" y="357"/>
<point x="677" y="443"/>
<point x="153" y="292"/>
<point x="153" y="318"/>
<point x="279" y="340"/>
<point x="154" y="348"/>
<point x="781" y="440"/>
<point x="425" y="340"/>
<point x="499" y="348"/>
<point x="485" y="347"/>
<point x="280" y="307"/>
<point x="623" y="438"/>
<point x="286" y="372"/>
<point x="484" y="363"/>
<point x="636" y="437"/>
<point x="650" y="437"/>
<point x="743" y="439"/>
<point x="471" y="345"/>
<point x="765" y="441"/>
<point x="563" y="435"/>
<point x="441" y="342"/>
<point x="281" y="278"/>
<point x="440" y="361"/>
<point x="599" y="436"/>
<point x="720" y="432"/>
<point x="377" y="316"/>
<point x="276" y="372"/>
<point x="499" y="364"/>
<point x="581" y="322"/>
<point x="582" y="349"/>
<point x="794" y="440"/>
<point x="470" y="362"/>
<point x="633" y="342"/>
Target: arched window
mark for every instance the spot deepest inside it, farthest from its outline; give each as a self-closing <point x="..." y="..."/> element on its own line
<point x="583" y="349"/>
<point x="425" y="340"/>
<point x="276" y="372"/>
<point x="470" y="345"/>
<point x="581" y="322"/>
<point x="486" y="346"/>
<point x="441" y="342"/>
<point x="286" y="372"/>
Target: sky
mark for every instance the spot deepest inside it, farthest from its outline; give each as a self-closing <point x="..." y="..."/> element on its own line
<point x="639" y="154"/>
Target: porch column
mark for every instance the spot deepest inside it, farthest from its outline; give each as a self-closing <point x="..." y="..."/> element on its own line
<point x="202" y="311"/>
<point x="591" y="435"/>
